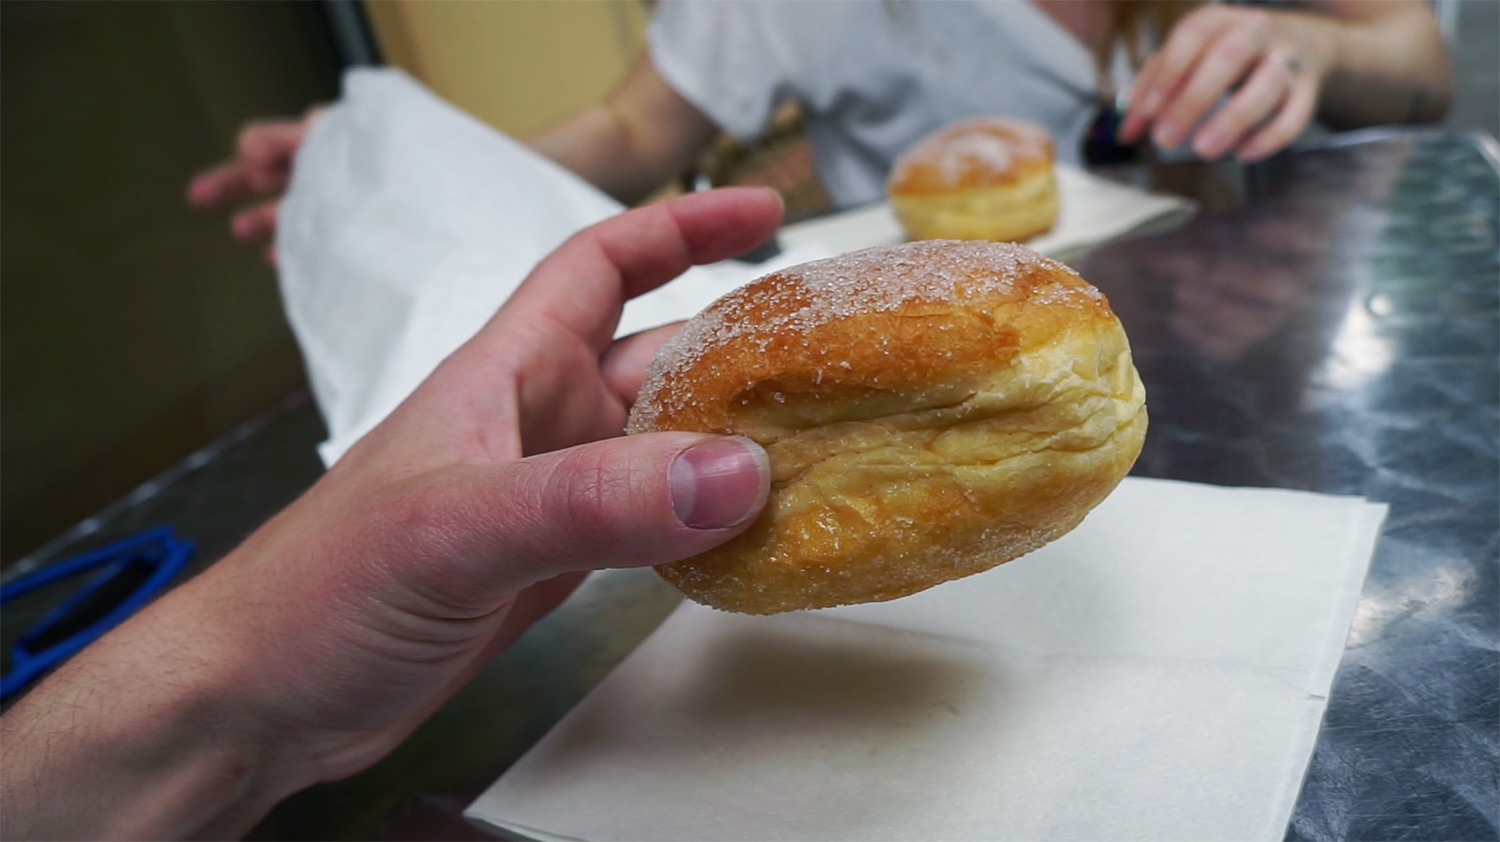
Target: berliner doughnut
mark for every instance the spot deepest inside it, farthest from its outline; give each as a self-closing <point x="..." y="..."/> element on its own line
<point x="931" y="410"/>
<point x="984" y="179"/>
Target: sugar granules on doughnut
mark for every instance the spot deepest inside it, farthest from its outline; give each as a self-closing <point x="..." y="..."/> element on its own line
<point x="930" y="410"/>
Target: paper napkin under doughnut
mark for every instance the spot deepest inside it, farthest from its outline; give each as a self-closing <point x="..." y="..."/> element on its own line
<point x="1157" y="674"/>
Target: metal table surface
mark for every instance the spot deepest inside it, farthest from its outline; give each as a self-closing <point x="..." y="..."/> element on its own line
<point x="1331" y="323"/>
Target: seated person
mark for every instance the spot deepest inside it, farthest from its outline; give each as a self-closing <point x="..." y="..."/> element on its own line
<point x="871" y="78"/>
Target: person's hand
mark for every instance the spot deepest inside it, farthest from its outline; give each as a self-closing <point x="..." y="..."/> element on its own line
<point x="259" y="172"/>
<point x="334" y="630"/>
<point x="445" y="543"/>
<point x="1270" y="66"/>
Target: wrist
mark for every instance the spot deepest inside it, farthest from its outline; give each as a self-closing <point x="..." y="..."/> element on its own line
<point x="142" y="735"/>
<point x="1321" y="42"/>
<point x="201" y="768"/>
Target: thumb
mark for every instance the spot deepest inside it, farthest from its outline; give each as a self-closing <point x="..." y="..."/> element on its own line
<point x="625" y="502"/>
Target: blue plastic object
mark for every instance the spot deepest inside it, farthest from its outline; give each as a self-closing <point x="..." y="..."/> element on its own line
<point x="130" y="572"/>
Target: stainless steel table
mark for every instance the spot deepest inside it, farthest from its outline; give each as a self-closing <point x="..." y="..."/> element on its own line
<point x="1331" y="323"/>
<point x="1340" y="332"/>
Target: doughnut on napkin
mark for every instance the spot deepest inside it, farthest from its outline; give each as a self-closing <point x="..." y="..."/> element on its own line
<point x="1091" y="210"/>
<point x="1159" y="673"/>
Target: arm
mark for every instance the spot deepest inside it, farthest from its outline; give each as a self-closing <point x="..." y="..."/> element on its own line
<point x="260" y="170"/>
<point x="1352" y="62"/>
<point x="142" y="736"/>
<point x="319" y="644"/>
<point x="641" y="136"/>
<point x="1389" y="63"/>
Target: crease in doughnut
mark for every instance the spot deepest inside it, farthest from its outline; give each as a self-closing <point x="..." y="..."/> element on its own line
<point x="930" y="410"/>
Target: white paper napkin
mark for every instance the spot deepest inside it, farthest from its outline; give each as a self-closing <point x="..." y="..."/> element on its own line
<point x="1090" y="210"/>
<point x="1159" y="673"/>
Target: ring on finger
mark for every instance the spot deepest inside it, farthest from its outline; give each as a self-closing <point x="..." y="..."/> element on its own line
<point x="1286" y="60"/>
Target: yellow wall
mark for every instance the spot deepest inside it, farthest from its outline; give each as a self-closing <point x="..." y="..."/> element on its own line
<point x="521" y="65"/>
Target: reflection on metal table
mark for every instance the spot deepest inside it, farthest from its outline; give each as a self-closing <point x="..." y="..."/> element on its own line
<point x="1334" y="327"/>
<point x="1339" y="332"/>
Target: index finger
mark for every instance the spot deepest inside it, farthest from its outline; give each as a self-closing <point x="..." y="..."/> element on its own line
<point x="1233" y="54"/>
<point x="584" y="283"/>
<point x="224" y="182"/>
<point x="623" y="365"/>
<point x="1184" y="44"/>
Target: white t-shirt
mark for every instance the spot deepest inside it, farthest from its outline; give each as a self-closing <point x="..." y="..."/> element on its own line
<point x="874" y="76"/>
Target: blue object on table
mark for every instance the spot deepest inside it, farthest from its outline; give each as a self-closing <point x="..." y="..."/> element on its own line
<point x="134" y="569"/>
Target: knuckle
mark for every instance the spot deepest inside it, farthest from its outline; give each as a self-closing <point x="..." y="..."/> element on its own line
<point x="1237" y="47"/>
<point x="261" y="143"/>
<point x="1256" y="20"/>
<point x="1230" y="121"/>
<point x="423" y="516"/>
<point x="1251" y="103"/>
<point x="591" y="486"/>
<point x="1306" y="102"/>
<point x="1273" y="141"/>
<point x="1199" y="17"/>
<point x="1192" y="103"/>
<point x="247" y="140"/>
<point x="1278" y="134"/>
<point x="260" y="180"/>
<point x="1202" y="20"/>
<point x="423" y="533"/>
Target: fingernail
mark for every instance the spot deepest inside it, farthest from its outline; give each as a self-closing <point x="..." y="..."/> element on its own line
<point x="1208" y="144"/>
<point x="1165" y="136"/>
<point x="719" y="483"/>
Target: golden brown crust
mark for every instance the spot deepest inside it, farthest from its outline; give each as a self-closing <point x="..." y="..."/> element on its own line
<point x="931" y="410"/>
<point x="1010" y="213"/>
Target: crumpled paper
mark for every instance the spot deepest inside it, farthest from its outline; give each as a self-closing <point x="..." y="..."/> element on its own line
<point x="407" y="224"/>
<point x="1157" y="674"/>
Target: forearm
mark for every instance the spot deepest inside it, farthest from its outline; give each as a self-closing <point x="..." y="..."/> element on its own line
<point x="599" y="145"/>
<point x="640" y="137"/>
<point x="143" y="735"/>
<point x="1388" y="69"/>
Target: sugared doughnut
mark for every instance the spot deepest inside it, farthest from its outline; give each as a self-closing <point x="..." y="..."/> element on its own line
<point x="930" y="410"/>
<point x="983" y="179"/>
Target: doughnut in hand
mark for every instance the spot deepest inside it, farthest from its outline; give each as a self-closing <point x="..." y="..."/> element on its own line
<point x="930" y="410"/>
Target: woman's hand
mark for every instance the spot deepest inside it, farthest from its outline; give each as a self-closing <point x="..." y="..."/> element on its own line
<point x="1270" y="66"/>
<point x="1350" y="63"/>
<point x="261" y="168"/>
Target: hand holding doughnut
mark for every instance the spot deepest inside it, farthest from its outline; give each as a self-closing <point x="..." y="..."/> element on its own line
<point x="930" y="411"/>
